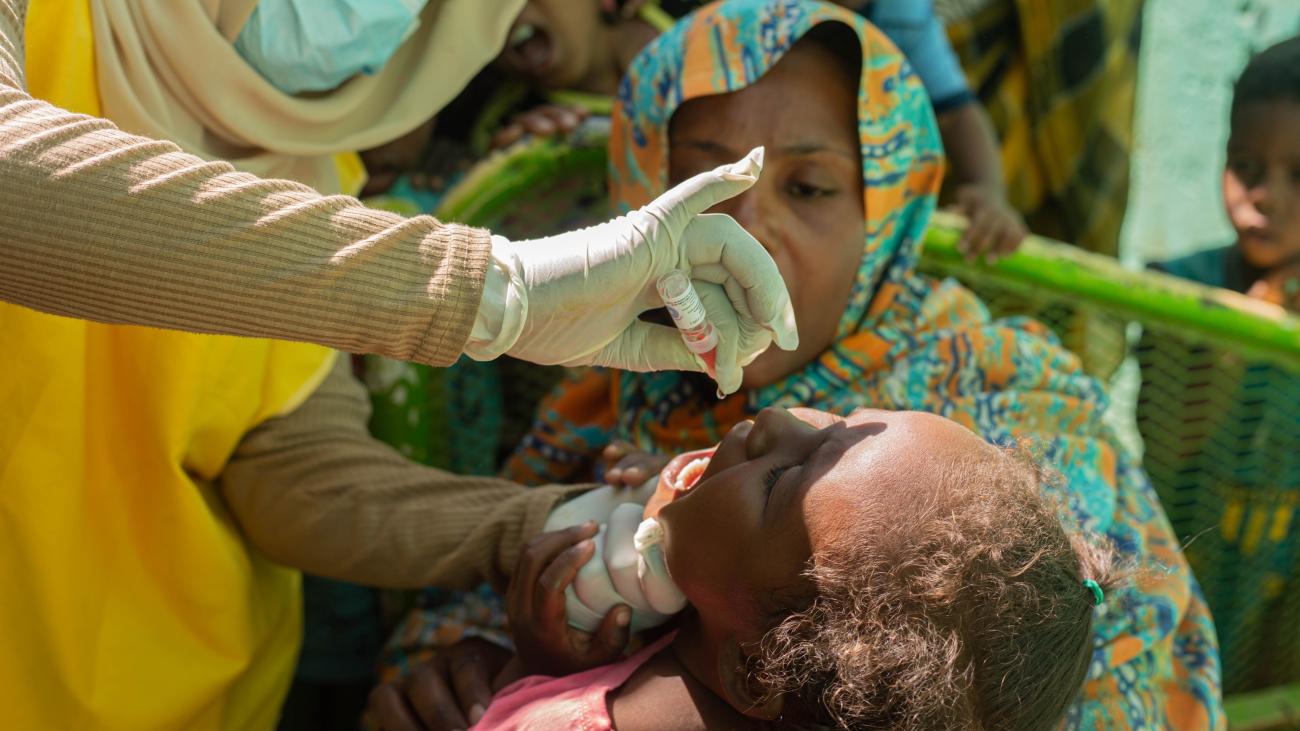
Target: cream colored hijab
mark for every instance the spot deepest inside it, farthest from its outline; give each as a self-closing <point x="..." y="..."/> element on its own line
<point x="169" y="69"/>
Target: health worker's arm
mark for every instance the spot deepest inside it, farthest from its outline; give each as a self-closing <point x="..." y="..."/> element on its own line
<point x="312" y="489"/>
<point x="107" y="226"/>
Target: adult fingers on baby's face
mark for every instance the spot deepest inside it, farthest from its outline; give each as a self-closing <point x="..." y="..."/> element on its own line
<point x="391" y="712"/>
<point x="431" y="696"/>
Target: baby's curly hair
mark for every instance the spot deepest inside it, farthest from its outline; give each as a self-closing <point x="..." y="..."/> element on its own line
<point x="968" y="612"/>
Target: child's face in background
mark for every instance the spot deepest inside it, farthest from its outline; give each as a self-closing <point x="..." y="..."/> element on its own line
<point x="789" y="485"/>
<point x="1261" y="182"/>
<point x="807" y="207"/>
<point x="556" y="43"/>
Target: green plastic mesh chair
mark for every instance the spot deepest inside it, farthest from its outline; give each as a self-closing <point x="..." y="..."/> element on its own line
<point x="1207" y="379"/>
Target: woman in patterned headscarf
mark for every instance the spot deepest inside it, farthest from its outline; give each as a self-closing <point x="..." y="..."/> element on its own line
<point x="900" y="340"/>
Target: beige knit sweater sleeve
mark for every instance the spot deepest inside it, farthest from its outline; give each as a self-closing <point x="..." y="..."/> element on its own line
<point x="107" y="226"/>
<point x="314" y="490"/>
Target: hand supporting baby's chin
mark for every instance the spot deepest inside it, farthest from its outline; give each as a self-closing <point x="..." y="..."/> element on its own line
<point x="618" y="573"/>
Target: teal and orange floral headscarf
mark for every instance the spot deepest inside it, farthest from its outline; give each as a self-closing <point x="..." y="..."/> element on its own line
<point x="725" y="48"/>
<point x="905" y="341"/>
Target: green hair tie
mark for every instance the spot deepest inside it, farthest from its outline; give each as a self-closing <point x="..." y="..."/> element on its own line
<point x="1097" y="594"/>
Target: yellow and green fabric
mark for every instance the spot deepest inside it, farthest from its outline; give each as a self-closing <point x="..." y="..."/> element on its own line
<point x="1058" y="79"/>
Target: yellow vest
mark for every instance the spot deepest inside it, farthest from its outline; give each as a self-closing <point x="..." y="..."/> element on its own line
<point x="128" y="598"/>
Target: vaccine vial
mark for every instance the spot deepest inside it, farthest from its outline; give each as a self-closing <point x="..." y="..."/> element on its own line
<point x="688" y="314"/>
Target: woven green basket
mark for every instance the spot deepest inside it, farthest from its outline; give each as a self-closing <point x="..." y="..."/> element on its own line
<point x="1217" y="401"/>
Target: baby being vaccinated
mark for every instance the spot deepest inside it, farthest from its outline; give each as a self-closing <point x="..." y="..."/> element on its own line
<point x="888" y="569"/>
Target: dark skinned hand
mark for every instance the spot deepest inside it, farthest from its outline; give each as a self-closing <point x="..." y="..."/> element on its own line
<point x="995" y="230"/>
<point x="535" y="604"/>
<point x="548" y="120"/>
<point x="450" y="691"/>
<point x="627" y="466"/>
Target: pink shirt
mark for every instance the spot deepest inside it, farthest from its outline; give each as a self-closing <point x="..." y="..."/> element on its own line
<point x="575" y="701"/>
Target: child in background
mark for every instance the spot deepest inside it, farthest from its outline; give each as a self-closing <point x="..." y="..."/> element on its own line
<point x="1261" y="186"/>
<point x="1226" y="426"/>
<point x="888" y="570"/>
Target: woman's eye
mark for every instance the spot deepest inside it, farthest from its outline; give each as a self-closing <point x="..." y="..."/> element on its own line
<point x="808" y="190"/>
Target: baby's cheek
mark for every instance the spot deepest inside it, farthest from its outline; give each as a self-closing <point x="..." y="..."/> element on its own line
<point x="661" y="497"/>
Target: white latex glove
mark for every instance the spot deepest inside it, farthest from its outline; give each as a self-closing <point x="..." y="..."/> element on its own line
<point x="619" y="572"/>
<point x="582" y="292"/>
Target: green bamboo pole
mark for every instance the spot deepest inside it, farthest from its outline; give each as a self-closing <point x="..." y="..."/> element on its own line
<point x="1195" y="310"/>
<point x="1207" y="313"/>
<point x="497" y="182"/>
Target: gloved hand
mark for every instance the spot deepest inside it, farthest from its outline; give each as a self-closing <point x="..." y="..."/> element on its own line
<point x="582" y="292"/>
<point x="620" y="571"/>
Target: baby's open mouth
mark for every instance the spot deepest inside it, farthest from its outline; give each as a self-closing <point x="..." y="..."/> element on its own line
<point x="685" y="470"/>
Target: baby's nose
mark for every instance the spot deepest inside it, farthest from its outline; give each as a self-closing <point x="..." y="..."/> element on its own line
<point x="775" y="423"/>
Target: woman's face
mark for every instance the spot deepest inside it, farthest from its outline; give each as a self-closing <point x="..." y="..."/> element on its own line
<point x="790" y="484"/>
<point x="807" y="207"/>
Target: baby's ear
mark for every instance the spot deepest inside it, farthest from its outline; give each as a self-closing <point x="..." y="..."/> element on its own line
<point x="740" y="690"/>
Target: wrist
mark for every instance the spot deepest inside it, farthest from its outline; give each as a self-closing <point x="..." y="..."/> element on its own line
<point x="503" y="308"/>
